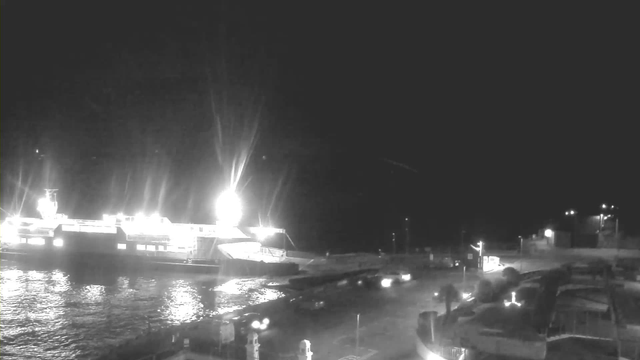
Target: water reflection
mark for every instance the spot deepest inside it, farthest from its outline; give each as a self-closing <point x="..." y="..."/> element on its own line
<point x="182" y="303"/>
<point x="74" y="313"/>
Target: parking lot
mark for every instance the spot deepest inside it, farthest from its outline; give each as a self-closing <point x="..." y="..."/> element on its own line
<point x="387" y="320"/>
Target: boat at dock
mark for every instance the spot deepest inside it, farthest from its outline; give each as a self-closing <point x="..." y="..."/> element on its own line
<point x="141" y="242"/>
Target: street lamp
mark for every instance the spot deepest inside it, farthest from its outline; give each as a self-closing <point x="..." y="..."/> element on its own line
<point x="229" y="208"/>
<point x="575" y="225"/>
<point x="548" y="233"/>
<point x="479" y="250"/>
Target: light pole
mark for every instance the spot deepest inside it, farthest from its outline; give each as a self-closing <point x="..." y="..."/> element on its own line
<point x="521" y="251"/>
<point x="479" y="250"/>
<point x="604" y="207"/>
<point x="551" y="238"/>
<point x="407" y="235"/>
<point x="393" y="242"/>
<point x="357" y="333"/>
<point x="574" y="235"/>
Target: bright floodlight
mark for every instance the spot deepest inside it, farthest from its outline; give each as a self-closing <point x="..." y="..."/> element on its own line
<point x="548" y="233"/>
<point x="229" y="208"/>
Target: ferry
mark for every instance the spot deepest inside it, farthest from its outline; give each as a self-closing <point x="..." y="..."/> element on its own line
<point x="142" y="242"/>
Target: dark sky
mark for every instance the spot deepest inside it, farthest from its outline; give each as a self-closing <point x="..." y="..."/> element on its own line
<point x="355" y="116"/>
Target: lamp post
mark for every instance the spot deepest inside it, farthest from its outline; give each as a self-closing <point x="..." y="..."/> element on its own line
<point x="407" y="235"/>
<point x="521" y="251"/>
<point x="574" y="234"/>
<point x="393" y="242"/>
<point x="479" y="250"/>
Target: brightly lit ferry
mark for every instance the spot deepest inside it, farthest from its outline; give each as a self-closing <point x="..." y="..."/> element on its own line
<point x="145" y="241"/>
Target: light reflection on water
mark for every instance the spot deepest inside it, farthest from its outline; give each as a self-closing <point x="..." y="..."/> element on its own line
<point x="77" y="313"/>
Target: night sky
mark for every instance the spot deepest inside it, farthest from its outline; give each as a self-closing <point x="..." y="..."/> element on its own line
<point x="347" y="118"/>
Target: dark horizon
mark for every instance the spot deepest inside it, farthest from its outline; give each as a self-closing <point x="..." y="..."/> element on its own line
<point x="345" y="124"/>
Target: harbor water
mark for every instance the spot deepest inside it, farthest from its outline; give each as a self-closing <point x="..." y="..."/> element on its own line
<point x="78" y="313"/>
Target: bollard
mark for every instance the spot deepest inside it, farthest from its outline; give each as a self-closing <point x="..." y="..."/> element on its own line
<point x="304" y="351"/>
<point x="253" y="352"/>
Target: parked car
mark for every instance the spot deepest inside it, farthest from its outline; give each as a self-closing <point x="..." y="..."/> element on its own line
<point x="250" y="321"/>
<point x="302" y="303"/>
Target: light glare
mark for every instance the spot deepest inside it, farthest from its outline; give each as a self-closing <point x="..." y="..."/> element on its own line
<point x="229" y="208"/>
<point x="36" y="241"/>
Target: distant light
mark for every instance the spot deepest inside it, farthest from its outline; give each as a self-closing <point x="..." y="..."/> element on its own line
<point x="263" y="326"/>
<point x="122" y="246"/>
<point x="58" y="242"/>
<point x="566" y="213"/>
<point x="465" y="295"/>
<point x="406" y="219"/>
<point x="263" y="232"/>
<point x="255" y="324"/>
<point x="604" y="206"/>
<point x="572" y="212"/>
<point x="37" y="151"/>
<point x="266" y="321"/>
<point x="386" y="283"/>
<point x="548" y="233"/>
<point x="513" y="300"/>
<point x="406" y="277"/>
<point x="229" y="208"/>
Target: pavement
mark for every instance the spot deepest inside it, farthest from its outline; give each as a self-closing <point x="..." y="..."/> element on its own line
<point x="387" y="317"/>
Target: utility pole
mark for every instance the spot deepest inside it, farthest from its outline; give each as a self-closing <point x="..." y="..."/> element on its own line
<point x="393" y="242"/>
<point x="407" y="235"/>
<point x="521" y="251"/>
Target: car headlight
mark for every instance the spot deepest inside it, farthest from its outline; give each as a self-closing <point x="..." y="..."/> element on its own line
<point x="386" y="282"/>
<point x="265" y="321"/>
<point x="255" y="324"/>
<point x="406" y="277"/>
